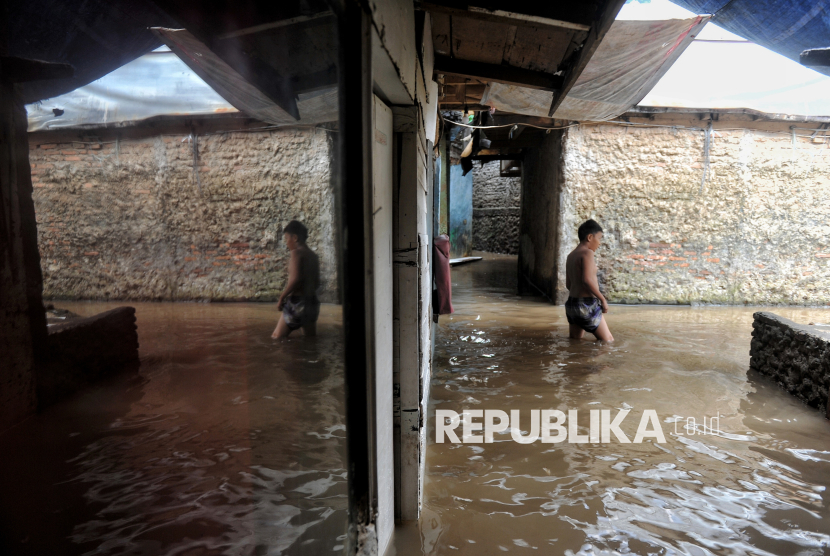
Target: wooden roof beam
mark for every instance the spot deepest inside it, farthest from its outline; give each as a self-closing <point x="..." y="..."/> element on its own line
<point x="227" y="20"/>
<point x="501" y="118"/>
<point x="471" y="107"/>
<point x="579" y="59"/>
<point x="499" y="73"/>
<point x="21" y="70"/>
<point x="308" y="20"/>
<point x="316" y="81"/>
<point x="505" y="16"/>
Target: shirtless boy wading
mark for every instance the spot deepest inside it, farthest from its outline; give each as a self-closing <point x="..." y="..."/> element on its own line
<point x="298" y="302"/>
<point x="586" y="304"/>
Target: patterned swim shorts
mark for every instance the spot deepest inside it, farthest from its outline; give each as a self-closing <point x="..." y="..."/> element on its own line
<point x="584" y="312"/>
<point x="300" y="310"/>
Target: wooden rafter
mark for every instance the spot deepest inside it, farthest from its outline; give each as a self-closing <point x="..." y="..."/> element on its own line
<point x="21" y="70"/>
<point x="538" y="14"/>
<point x="579" y="59"/>
<point x="499" y="73"/>
<point x="229" y="31"/>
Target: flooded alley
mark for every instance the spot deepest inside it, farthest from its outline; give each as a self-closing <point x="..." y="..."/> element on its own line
<point x="223" y="442"/>
<point x="756" y="488"/>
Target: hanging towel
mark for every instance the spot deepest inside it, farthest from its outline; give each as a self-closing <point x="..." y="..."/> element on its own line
<point x="442" y="294"/>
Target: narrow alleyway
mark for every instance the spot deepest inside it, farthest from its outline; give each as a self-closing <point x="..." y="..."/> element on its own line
<point x="757" y="488"/>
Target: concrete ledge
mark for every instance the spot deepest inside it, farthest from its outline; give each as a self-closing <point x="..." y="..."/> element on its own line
<point x="796" y="356"/>
<point x="87" y="349"/>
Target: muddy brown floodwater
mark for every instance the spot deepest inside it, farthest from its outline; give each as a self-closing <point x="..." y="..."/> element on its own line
<point x="224" y="442"/>
<point x="757" y="488"/>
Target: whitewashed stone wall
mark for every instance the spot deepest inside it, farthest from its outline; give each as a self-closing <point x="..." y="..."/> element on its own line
<point x="756" y="232"/>
<point x="124" y="215"/>
<point x="496" y="208"/>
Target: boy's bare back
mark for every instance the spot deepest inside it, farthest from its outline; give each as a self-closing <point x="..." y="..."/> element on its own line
<point x="586" y="304"/>
<point x="306" y="264"/>
<point x="579" y="261"/>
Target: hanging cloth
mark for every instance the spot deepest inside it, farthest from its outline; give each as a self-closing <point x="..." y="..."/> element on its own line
<point x="442" y="294"/>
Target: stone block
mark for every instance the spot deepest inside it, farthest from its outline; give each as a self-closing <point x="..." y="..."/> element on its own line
<point x="84" y="350"/>
<point x="795" y="356"/>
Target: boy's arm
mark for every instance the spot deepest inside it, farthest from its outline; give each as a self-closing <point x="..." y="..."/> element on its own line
<point x="589" y="276"/>
<point x="567" y="275"/>
<point x="293" y="277"/>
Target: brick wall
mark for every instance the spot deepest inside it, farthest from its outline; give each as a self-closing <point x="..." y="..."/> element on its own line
<point x="122" y="215"/>
<point x="757" y="231"/>
<point x="496" y="207"/>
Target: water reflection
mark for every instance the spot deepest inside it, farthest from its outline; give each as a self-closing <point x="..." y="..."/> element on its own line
<point x="757" y="488"/>
<point x="226" y="442"/>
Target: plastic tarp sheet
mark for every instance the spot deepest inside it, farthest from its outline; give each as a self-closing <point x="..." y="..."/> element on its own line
<point x="156" y="84"/>
<point x="316" y="107"/>
<point x="784" y="26"/>
<point x="736" y="75"/>
<point x="630" y="60"/>
<point x="94" y="36"/>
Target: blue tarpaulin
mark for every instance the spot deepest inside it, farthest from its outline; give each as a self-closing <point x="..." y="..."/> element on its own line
<point x="784" y="26"/>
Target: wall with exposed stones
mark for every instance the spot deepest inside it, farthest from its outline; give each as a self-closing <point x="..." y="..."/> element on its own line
<point x="756" y="232"/>
<point x="795" y="356"/>
<point x="496" y="207"/>
<point x="122" y="214"/>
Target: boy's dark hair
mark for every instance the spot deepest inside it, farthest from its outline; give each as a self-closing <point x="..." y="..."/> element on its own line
<point x="297" y="228"/>
<point x="588" y="227"/>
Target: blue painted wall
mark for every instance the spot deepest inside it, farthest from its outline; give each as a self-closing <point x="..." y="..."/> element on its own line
<point x="461" y="212"/>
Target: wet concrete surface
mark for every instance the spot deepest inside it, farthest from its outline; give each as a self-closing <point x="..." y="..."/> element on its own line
<point x="756" y="488"/>
<point x="224" y="442"/>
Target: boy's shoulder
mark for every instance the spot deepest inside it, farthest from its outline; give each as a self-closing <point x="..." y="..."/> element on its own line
<point x="580" y="251"/>
<point x="579" y="254"/>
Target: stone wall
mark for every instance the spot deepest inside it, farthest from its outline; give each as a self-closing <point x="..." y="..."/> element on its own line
<point x="796" y="357"/>
<point x="756" y="232"/>
<point x="122" y="214"/>
<point x="496" y="207"/>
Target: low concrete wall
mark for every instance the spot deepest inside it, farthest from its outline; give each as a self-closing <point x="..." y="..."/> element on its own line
<point x="797" y="357"/>
<point x="87" y="349"/>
